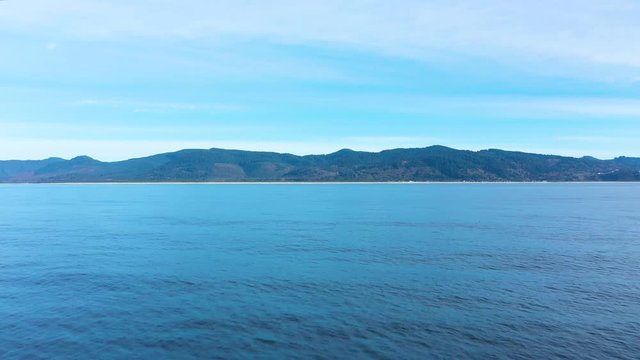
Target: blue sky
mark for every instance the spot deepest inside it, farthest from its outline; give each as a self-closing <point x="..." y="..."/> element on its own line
<point x="116" y="79"/>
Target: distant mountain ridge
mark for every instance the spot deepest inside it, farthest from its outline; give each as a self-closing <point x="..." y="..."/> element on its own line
<point x="434" y="163"/>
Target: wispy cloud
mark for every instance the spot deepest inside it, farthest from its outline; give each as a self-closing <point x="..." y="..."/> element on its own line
<point x="386" y="142"/>
<point x="138" y="77"/>
<point x="148" y="106"/>
<point x="549" y="107"/>
<point x="550" y="33"/>
<point x="590" y="138"/>
<point x="507" y="107"/>
<point x="588" y="106"/>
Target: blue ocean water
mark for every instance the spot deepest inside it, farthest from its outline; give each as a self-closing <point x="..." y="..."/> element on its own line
<point x="320" y="271"/>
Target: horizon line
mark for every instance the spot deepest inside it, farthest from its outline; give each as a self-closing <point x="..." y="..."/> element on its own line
<point x="320" y="154"/>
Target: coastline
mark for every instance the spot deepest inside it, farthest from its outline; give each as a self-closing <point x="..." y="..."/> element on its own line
<point x="326" y="183"/>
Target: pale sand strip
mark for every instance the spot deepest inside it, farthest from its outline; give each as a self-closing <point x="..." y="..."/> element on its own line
<point x="331" y="183"/>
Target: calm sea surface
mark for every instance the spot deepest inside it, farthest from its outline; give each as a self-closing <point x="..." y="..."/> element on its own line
<point x="320" y="271"/>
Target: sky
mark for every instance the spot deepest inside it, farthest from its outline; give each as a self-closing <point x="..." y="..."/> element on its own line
<point x="116" y="79"/>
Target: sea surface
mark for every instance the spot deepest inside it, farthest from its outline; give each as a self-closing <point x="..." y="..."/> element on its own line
<point x="414" y="271"/>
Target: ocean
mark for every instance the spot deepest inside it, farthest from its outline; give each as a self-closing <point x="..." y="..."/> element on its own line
<point x="324" y="271"/>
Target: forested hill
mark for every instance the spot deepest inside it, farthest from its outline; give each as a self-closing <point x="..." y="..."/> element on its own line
<point x="435" y="163"/>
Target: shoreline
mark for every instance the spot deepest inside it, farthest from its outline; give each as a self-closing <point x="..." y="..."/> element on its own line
<point x="327" y="183"/>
